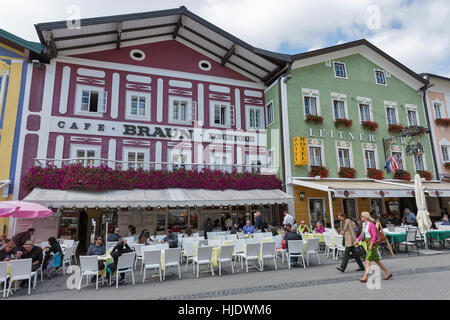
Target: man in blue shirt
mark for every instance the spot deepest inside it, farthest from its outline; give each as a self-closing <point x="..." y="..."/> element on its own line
<point x="248" y="228"/>
<point x="114" y="237"/>
<point x="171" y="238"/>
<point x="409" y="217"/>
<point x="258" y="221"/>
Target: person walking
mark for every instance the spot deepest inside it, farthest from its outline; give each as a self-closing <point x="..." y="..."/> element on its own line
<point x="347" y="230"/>
<point x="369" y="236"/>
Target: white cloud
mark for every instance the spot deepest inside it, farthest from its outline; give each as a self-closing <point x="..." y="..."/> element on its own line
<point x="420" y="38"/>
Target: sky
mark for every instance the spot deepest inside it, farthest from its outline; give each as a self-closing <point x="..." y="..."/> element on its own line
<point x="415" y="32"/>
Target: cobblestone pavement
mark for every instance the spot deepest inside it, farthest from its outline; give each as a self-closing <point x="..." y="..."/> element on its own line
<point x="319" y="281"/>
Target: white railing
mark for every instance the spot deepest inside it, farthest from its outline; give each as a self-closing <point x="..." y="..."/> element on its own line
<point x="168" y="166"/>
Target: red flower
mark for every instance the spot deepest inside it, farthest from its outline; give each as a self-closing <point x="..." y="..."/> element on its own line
<point x="311" y="118"/>
<point x="369" y="125"/>
<point x="375" y="174"/>
<point x="319" y="171"/>
<point x="426" y="174"/>
<point x="402" y="175"/>
<point x="445" y="122"/>
<point x="343" y="122"/>
<point x="347" y="173"/>
<point x="395" y="128"/>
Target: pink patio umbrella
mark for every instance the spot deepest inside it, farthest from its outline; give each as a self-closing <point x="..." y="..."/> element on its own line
<point x="25" y="210"/>
<point x="7" y="207"/>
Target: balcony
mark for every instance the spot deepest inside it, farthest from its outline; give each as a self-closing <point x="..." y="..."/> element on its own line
<point x="164" y="166"/>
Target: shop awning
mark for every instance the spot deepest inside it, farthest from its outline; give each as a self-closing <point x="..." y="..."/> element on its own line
<point x="359" y="188"/>
<point x="154" y="198"/>
<point x="436" y="189"/>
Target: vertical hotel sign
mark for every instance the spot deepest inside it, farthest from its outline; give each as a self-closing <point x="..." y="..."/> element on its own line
<point x="300" y="151"/>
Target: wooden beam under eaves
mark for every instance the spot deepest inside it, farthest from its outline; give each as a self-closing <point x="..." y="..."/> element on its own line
<point x="119" y="35"/>
<point x="180" y="24"/>
<point x="274" y="75"/>
<point x="52" y="45"/>
<point x="228" y="55"/>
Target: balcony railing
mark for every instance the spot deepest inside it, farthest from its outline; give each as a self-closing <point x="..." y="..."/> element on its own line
<point x="168" y="166"/>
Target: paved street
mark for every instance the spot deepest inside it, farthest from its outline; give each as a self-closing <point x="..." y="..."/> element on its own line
<point x="414" y="278"/>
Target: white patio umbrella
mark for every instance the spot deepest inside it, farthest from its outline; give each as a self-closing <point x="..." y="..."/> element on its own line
<point x="423" y="217"/>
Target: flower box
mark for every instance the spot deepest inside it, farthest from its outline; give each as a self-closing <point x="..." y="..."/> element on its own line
<point x="369" y="125"/>
<point x="447" y="165"/>
<point x="444" y="122"/>
<point x="375" y="174"/>
<point x="343" y="123"/>
<point x="347" y="173"/>
<point x="425" y="174"/>
<point x="315" y="119"/>
<point x="395" y="128"/>
<point x="402" y="175"/>
<point x="319" y="171"/>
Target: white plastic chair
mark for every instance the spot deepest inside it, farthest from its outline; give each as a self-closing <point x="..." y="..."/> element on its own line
<point x="250" y="241"/>
<point x="138" y="250"/>
<point x="74" y="254"/>
<point x="204" y="256"/>
<point x="68" y="243"/>
<point x="312" y="247"/>
<point x="226" y="255"/>
<point x="89" y="267"/>
<point x="329" y="245"/>
<point x="339" y="246"/>
<point x="151" y="260"/>
<point x="220" y="237"/>
<point x="21" y="270"/>
<point x="162" y="246"/>
<point x="410" y="241"/>
<point x="295" y="249"/>
<point x="172" y="259"/>
<point x="189" y="253"/>
<point x="251" y="254"/>
<point x="231" y="236"/>
<point x="258" y="237"/>
<point x="125" y="265"/>
<point x="44" y="244"/>
<point x="268" y="252"/>
<point x="239" y="247"/>
<point x="4" y="276"/>
<point x="67" y="258"/>
<point x="110" y="245"/>
<point x="214" y="243"/>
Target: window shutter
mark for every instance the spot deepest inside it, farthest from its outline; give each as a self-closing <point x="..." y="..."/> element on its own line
<point x="103" y="102"/>
<point x="232" y="115"/>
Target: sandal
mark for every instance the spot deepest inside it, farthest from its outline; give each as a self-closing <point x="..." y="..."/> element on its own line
<point x="363" y="280"/>
<point x="388" y="276"/>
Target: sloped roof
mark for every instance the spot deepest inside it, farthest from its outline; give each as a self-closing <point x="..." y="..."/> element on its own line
<point x="19" y="43"/>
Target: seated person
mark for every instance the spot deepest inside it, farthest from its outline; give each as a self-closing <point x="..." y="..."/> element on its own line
<point x="445" y="221"/>
<point x="319" y="228"/>
<point x="274" y="231"/>
<point x="409" y="217"/>
<point x="120" y="248"/>
<point x="171" y="238"/>
<point x="34" y="253"/>
<point x="3" y="242"/>
<point x="53" y="256"/>
<point x="113" y="237"/>
<point x="248" y="228"/>
<point x="235" y="228"/>
<point x="291" y="234"/>
<point x="9" y="252"/>
<point x="188" y="233"/>
<point x="303" y="227"/>
<point x="145" y="238"/>
<point x="97" y="249"/>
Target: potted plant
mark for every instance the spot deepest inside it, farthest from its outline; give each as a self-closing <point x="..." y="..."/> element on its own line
<point x="369" y="125"/>
<point x="426" y="174"/>
<point x="375" y="174"/>
<point x="447" y="165"/>
<point x="395" y="128"/>
<point x="312" y="118"/>
<point x="343" y="123"/>
<point x="444" y="122"/>
<point x="347" y="173"/>
<point x="319" y="171"/>
<point x="402" y="175"/>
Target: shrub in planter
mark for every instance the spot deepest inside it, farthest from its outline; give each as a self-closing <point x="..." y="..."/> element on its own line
<point x="402" y="175"/>
<point x="447" y="165"/>
<point x="369" y="125"/>
<point x="395" y="128"/>
<point x="426" y="174"/>
<point x="347" y="173"/>
<point x="443" y="122"/>
<point x="375" y="174"/>
<point x="319" y="171"/>
<point x="343" y="123"/>
<point x="315" y="119"/>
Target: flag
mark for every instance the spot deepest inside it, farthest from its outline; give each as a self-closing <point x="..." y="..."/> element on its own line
<point x="394" y="163"/>
<point x="388" y="166"/>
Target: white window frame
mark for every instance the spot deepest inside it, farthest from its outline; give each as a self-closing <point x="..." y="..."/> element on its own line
<point x="321" y="156"/>
<point x="247" y="117"/>
<point x="376" y="79"/>
<point x="423" y="160"/>
<point x="346" y="116"/>
<point x="345" y="70"/>
<point x="147" y="96"/>
<point x="212" y="104"/>
<point x="145" y="151"/>
<point x="403" y="166"/>
<point x="441" y="109"/>
<point x="2" y="88"/>
<point x="417" y="116"/>
<point x="220" y="154"/>
<point x="188" y="109"/>
<point x="448" y="153"/>
<point x="324" y="204"/>
<point x="78" y="95"/>
<point x="304" y="96"/>
<point x="350" y="160"/>
<point x="86" y="147"/>
<point x="396" y="115"/>
<point x="370" y="111"/>
<point x="364" y="150"/>
<point x="178" y="164"/>
<point x="270" y="112"/>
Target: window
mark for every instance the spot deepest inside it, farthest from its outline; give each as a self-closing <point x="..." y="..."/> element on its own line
<point x="317" y="210"/>
<point x="219" y="161"/>
<point x="379" y="75"/>
<point x="437" y="110"/>
<point x="135" y="158"/>
<point x="370" y="159"/>
<point x="270" y="113"/>
<point x="254" y="118"/>
<point x="138" y="105"/>
<point x="220" y="114"/>
<point x="310" y="106"/>
<point x="91" y="100"/>
<point x="86" y="155"/>
<point x="339" y="109"/>
<point x="398" y="156"/>
<point x="315" y="157"/>
<point x="412" y="118"/>
<point x="364" y="112"/>
<point x="179" y="109"/>
<point x="339" y="70"/>
<point x="418" y="161"/>
<point x="344" y="158"/>
<point x="391" y="116"/>
<point x="349" y="206"/>
<point x="445" y="153"/>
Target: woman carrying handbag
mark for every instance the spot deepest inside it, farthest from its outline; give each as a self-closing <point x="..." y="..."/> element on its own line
<point x="369" y="236"/>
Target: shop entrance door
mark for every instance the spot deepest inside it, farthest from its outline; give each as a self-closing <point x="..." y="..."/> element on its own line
<point x="376" y="206"/>
<point x="409" y="203"/>
<point x="349" y="206"/>
<point x="317" y="211"/>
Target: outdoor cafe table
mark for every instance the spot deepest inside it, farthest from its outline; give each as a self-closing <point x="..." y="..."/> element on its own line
<point x="396" y="238"/>
<point x="307" y="236"/>
<point x="439" y="235"/>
